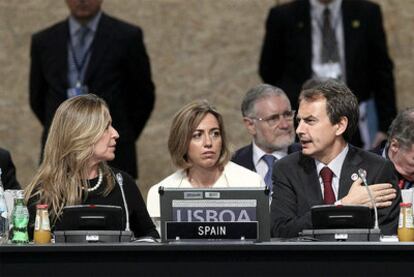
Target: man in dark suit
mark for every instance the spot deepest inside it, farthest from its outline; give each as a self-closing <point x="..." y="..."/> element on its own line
<point x="92" y="52"/>
<point x="399" y="148"/>
<point x="325" y="171"/>
<point x="268" y="118"/>
<point x="8" y="171"/>
<point x="293" y="51"/>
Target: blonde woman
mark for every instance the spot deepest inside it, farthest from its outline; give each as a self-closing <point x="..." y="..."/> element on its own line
<point x="199" y="149"/>
<point x="74" y="169"/>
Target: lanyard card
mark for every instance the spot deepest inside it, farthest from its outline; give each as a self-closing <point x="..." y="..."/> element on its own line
<point x="77" y="90"/>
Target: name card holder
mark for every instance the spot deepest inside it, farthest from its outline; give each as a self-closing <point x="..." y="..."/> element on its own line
<point x="211" y="230"/>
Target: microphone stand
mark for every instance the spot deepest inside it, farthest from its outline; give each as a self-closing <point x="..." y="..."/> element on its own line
<point x="362" y="174"/>
<point x="120" y="180"/>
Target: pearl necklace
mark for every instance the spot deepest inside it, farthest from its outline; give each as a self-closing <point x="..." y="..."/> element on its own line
<point x="95" y="187"/>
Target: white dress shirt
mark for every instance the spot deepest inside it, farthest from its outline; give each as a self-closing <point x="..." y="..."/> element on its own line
<point x="317" y="8"/>
<point x="260" y="164"/>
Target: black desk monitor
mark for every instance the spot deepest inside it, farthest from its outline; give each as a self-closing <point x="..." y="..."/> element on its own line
<point x="91" y="223"/>
<point x="214" y="214"/>
<point x="91" y="217"/>
<point x="342" y="223"/>
<point x="341" y="217"/>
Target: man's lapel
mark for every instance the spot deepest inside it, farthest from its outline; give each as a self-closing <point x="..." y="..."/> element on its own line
<point x="350" y="167"/>
<point x="99" y="46"/>
<point x="352" y="25"/>
<point x="310" y="181"/>
<point x="303" y="23"/>
<point x="61" y="54"/>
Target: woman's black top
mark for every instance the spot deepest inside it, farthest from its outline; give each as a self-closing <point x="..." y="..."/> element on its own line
<point x="139" y="219"/>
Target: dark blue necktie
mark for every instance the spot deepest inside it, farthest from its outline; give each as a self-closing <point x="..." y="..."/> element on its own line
<point x="269" y="160"/>
<point x="79" y="50"/>
<point x="80" y="47"/>
<point x="329" y="50"/>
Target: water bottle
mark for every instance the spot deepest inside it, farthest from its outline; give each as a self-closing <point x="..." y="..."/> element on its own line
<point x="20" y="219"/>
<point x="4" y="222"/>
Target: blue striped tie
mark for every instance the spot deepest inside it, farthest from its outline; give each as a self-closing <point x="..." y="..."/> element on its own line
<point x="269" y="160"/>
<point x="80" y="47"/>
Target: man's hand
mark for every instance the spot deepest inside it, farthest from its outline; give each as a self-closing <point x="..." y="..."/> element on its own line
<point x="358" y="194"/>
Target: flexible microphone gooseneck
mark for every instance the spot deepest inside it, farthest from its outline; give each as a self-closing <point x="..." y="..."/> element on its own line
<point x="362" y="173"/>
<point x="120" y="181"/>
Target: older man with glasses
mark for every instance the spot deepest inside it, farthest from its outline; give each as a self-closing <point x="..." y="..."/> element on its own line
<point x="268" y="117"/>
<point x="399" y="148"/>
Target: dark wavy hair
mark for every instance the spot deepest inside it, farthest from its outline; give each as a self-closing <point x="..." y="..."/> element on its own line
<point x="340" y="101"/>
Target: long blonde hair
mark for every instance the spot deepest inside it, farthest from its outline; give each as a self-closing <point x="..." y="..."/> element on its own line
<point x="61" y="179"/>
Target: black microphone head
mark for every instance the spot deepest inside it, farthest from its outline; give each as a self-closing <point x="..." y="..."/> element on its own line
<point x="119" y="178"/>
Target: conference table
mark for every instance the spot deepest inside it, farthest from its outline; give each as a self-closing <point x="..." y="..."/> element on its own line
<point x="274" y="258"/>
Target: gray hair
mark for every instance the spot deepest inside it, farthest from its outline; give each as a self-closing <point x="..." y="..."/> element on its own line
<point x="402" y="128"/>
<point x="258" y="92"/>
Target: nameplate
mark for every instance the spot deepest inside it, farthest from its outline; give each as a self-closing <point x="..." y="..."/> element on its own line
<point x="212" y="230"/>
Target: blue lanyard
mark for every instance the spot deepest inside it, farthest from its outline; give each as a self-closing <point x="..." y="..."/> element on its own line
<point x="79" y="65"/>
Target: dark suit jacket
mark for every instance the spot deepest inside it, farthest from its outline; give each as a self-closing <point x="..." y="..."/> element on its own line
<point x="118" y="71"/>
<point x="244" y="156"/>
<point x="8" y="176"/>
<point x="297" y="188"/>
<point x="286" y="58"/>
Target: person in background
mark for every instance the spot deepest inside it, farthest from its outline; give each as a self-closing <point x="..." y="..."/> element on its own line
<point x="340" y="39"/>
<point x="199" y="149"/>
<point x="326" y="170"/>
<point x="399" y="148"/>
<point x="92" y="52"/>
<point x="268" y="118"/>
<point x="8" y="171"/>
<point x="74" y="169"/>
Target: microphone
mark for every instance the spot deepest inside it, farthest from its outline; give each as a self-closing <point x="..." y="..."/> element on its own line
<point x="362" y="173"/>
<point x="120" y="181"/>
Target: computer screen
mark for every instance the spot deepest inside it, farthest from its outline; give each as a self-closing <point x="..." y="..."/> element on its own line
<point x="214" y="213"/>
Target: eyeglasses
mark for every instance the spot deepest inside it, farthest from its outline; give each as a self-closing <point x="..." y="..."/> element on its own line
<point x="274" y="119"/>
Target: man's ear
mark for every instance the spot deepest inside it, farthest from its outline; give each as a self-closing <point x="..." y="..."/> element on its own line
<point x="341" y="125"/>
<point x="394" y="145"/>
<point x="250" y="126"/>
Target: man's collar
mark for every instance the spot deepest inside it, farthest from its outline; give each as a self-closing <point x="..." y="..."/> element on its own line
<point x="258" y="153"/>
<point x="92" y="24"/>
<point x="317" y="7"/>
<point x="384" y="153"/>
<point x="336" y="164"/>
